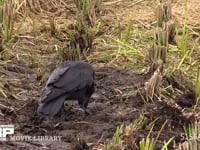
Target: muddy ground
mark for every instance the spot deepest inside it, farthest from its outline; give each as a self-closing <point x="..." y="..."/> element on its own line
<point x="23" y="79"/>
<point x="108" y="109"/>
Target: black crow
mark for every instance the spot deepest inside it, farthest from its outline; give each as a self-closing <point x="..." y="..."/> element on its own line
<point x="71" y="80"/>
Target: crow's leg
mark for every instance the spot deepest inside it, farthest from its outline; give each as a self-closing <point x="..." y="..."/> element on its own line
<point x="85" y="110"/>
<point x="83" y="103"/>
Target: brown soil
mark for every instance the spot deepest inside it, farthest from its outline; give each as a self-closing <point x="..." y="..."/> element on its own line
<point x="108" y="109"/>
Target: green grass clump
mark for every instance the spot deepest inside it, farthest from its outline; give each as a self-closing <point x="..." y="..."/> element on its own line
<point x="116" y="143"/>
<point x="84" y="29"/>
<point x="197" y="89"/>
<point x="8" y="9"/>
<point x="150" y="143"/>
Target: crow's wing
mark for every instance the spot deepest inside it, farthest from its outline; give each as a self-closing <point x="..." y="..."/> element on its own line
<point x="74" y="78"/>
<point x="56" y="74"/>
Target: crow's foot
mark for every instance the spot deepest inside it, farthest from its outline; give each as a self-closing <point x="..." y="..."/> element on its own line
<point x="85" y="110"/>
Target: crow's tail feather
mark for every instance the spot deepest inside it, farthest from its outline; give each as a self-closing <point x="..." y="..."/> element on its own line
<point x="51" y="108"/>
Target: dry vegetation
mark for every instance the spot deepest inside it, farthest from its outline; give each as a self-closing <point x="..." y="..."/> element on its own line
<point x="147" y="71"/>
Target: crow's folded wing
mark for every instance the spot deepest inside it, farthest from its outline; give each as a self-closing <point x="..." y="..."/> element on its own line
<point x="75" y="78"/>
<point x="71" y="80"/>
<point x="56" y="75"/>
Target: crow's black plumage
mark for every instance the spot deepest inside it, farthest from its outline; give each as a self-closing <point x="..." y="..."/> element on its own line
<point x="71" y="80"/>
